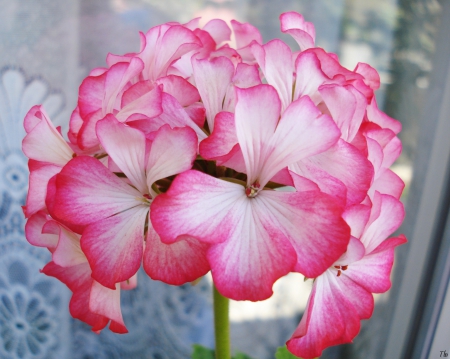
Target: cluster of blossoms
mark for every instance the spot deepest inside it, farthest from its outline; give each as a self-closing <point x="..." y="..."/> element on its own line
<point x="251" y="162"/>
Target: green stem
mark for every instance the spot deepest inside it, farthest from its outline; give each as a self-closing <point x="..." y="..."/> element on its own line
<point x="221" y="325"/>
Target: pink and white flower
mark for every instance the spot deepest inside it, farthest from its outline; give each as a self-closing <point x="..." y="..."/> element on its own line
<point x="123" y="190"/>
<point x="91" y="302"/>
<point x="342" y="296"/>
<point x="110" y="213"/>
<point x="258" y="235"/>
<point x="47" y="151"/>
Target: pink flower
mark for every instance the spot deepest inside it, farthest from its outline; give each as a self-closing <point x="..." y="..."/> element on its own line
<point x="48" y="153"/>
<point x="259" y="235"/>
<point x="216" y="80"/>
<point x="342" y="296"/>
<point x="111" y="215"/>
<point x="123" y="191"/>
<point x="161" y="46"/>
<point x="91" y="302"/>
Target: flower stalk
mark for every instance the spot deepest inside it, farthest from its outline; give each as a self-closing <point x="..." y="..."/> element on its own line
<point x="221" y="325"/>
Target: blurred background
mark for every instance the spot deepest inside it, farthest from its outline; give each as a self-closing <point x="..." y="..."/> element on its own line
<point x="47" y="48"/>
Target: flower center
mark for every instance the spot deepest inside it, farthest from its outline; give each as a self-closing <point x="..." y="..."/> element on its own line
<point x="146" y="199"/>
<point x="252" y="191"/>
<point x="340" y="269"/>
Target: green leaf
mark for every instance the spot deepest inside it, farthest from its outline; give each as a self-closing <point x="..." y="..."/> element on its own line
<point x="283" y="353"/>
<point x="201" y="352"/>
<point x="241" y="356"/>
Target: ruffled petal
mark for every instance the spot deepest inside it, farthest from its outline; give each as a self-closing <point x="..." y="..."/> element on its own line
<point x="43" y="142"/>
<point x="177" y="263"/>
<point x="185" y="93"/>
<point x="245" y="34"/>
<point x="343" y="163"/>
<point x="222" y="139"/>
<point x="387" y="182"/>
<point x="174" y="115"/>
<point x="106" y="302"/>
<point x="139" y="100"/>
<point x="309" y="77"/>
<point x="347" y="106"/>
<point x="40" y="174"/>
<point x="391" y="215"/>
<point x="374" y="114"/>
<point x="68" y="252"/>
<point x="302" y="31"/>
<point x="34" y="234"/>
<point x="357" y="217"/>
<point x="218" y="29"/>
<point x="355" y="251"/>
<point x="79" y="281"/>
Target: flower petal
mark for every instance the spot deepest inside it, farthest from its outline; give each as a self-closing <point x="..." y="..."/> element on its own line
<point x="275" y="61"/>
<point x="175" y="116"/>
<point x="79" y="281"/>
<point x="195" y="204"/>
<point x="40" y="174"/>
<point x="254" y="256"/>
<point x="126" y="146"/>
<point x="374" y="270"/>
<point x="177" y="263"/>
<point x="302" y="132"/>
<point x="302" y="31"/>
<point x="43" y="142"/>
<point x="312" y="222"/>
<point x="355" y="251"/>
<point x="387" y="182"/>
<point x="255" y="252"/>
<point x="218" y="29"/>
<point x="114" y="246"/>
<point x="172" y="151"/>
<point x="391" y="215"/>
<point x="256" y="117"/>
<point x="34" y="234"/>
<point x="342" y="164"/>
<point x="222" y="139"/>
<point x="374" y="114"/>
<point x="245" y="34"/>
<point x="347" y="106"/>
<point x="357" y="217"/>
<point x="185" y="93"/>
<point x="106" y="302"/>
<point x="309" y="77"/>
<point x="68" y="252"/>
<point x="212" y="78"/>
<point x="329" y="319"/>
<point x="136" y="101"/>
<point x="86" y="191"/>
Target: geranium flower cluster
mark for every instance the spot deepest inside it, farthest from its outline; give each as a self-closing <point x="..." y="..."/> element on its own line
<point x="251" y="162"/>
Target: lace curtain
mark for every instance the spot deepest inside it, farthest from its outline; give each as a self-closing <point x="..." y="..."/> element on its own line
<point x="41" y="63"/>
